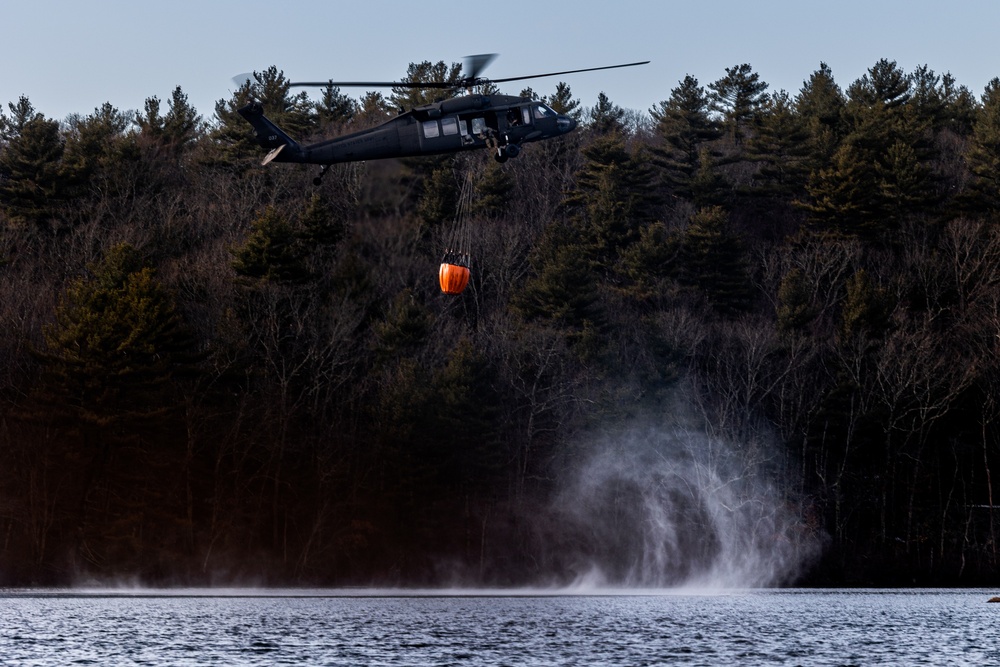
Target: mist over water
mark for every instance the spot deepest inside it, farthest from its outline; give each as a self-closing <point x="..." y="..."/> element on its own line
<point x="671" y="507"/>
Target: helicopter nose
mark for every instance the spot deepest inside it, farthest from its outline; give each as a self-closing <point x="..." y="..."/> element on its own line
<point x="565" y="124"/>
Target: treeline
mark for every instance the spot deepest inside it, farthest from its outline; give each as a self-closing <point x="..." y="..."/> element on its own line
<point x="215" y="372"/>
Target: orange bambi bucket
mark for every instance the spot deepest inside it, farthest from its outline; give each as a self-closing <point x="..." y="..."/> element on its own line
<point x="453" y="277"/>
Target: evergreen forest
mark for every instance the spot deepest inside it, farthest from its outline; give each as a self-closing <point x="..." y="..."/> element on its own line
<point x="215" y="372"/>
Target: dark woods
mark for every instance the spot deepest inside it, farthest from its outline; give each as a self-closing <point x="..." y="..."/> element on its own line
<point x="214" y="372"/>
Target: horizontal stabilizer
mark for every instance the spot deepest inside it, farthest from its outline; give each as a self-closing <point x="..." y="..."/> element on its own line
<point x="273" y="154"/>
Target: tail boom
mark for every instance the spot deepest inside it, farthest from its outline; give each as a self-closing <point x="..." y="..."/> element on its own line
<point x="283" y="148"/>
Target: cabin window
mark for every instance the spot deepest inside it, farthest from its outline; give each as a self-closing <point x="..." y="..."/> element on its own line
<point x="449" y="126"/>
<point x="463" y="126"/>
<point x="526" y="115"/>
<point x="431" y="129"/>
<point x="479" y="125"/>
<point x="542" y="111"/>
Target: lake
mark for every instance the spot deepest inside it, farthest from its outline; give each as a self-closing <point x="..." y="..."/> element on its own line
<point x="348" y="627"/>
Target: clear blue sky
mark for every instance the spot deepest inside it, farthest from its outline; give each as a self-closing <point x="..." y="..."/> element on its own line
<point x="71" y="56"/>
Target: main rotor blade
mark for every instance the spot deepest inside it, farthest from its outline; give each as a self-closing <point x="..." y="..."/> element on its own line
<point x="376" y="84"/>
<point x="473" y="64"/>
<point x="476" y="64"/>
<point x="569" y="71"/>
<point x="241" y="79"/>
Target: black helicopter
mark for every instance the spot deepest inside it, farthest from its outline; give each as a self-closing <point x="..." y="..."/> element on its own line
<point x="500" y="123"/>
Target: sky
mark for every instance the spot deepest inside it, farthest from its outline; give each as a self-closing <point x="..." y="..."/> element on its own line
<point x="71" y="57"/>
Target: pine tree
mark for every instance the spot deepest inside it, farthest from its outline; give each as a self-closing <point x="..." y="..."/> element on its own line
<point x="960" y="106"/>
<point x="649" y="262"/>
<point x="865" y="310"/>
<point x="150" y="122"/>
<point x="844" y="198"/>
<point x="709" y="186"/>
<point x="928" y="97"/>
<point x="323" y="225"/>
<point x="820" y="98"/>
<point x="738" y="96"/>
<point x="614" y="198"/>
<point x="983" y="155"/>
<point x="795" y="310"/>
<point x="881" y="172"/>
<point x="272" y="252"/>
<point x="407" y="97"/>
<point x="178" y="129"/>
<point x="820" y="103"/>
<point x="606" y="117"/>
<point x="780" y="145"/>
<point x="562" y="289"/>
<point x="118" y="350"/>
<point x="884" y="84"/>
<point x="439" y="200"/>
<point x="465" y="408"/>
<point x="879" y="114"/>
<point x="100" y="150"/>
<point x="905" y="184"/>
<point x="562" y="102"/>
<point x="403" y="330"/>
<point x="21" y="114"/>
<point x="334" y="107"/>
<point x="712" y="260"/>
<point x="685" y="124"/>
<point x="373" y="109"/>
<point x="494" y="189"/>
<point x="31" y="184"/>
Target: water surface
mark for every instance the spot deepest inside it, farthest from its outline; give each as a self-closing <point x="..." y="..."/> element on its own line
<point x="233" y="627"/>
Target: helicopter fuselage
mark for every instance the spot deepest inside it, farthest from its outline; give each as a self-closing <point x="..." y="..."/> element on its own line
<point x="498" y="122"/>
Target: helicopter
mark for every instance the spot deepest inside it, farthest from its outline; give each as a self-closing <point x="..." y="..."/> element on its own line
<point x="500" y="123"/>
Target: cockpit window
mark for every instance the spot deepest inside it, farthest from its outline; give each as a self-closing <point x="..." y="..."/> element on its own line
<point x="542" y="111"/>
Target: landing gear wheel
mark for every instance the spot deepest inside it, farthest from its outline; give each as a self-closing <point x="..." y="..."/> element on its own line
<point x="322" y="172"/>
<point x="501" y="155"/>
